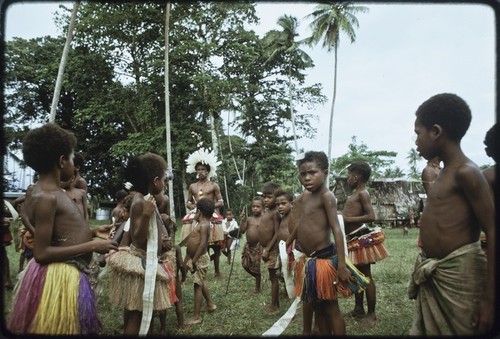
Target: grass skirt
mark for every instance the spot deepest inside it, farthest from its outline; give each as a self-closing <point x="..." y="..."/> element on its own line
<point x="54" y="299"/>
<point x="368" y="248"/>
<point x="127" y="280"/>
<point x="315" y="279"/>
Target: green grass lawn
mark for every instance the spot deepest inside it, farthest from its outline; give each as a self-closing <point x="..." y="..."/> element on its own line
<point x="239" y="314"/>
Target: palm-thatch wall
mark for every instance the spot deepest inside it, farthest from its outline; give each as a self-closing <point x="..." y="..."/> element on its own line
<point x="391" y="198"/>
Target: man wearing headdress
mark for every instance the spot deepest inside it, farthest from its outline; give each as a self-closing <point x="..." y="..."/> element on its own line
<point x="204" y="164"/>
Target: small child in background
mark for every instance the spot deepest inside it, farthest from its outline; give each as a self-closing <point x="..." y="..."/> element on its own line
<point x="229" y="227"/>
<point x="78" y="195"/>
<point x="284" y="205"/>
<point x="252" y="251"/>
<point x="117" y="212"/>
<point x="197" y="259"/>
<point x="365" y="246"/>
<point x="268" y="236"/>
<point x="79" y="162"/>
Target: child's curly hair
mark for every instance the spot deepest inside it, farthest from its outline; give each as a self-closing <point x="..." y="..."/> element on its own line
<point x="141" y="170"/>
<point x="43" y="146"/>
<point x="206" y="207"/>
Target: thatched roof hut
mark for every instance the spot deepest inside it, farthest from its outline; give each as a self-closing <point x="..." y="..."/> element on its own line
<point x="391" y="198"/>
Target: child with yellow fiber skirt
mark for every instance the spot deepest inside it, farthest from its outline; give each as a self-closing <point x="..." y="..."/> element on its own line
<point x="53" y="295"/>
<point x="323" y="273"/>
<point x="141" y="282"/>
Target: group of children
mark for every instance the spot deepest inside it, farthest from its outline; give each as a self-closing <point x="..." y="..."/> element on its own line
<point x="457" y="299"/>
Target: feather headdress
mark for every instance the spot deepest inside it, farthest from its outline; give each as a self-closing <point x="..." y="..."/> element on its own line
<point x="206" y="158"/>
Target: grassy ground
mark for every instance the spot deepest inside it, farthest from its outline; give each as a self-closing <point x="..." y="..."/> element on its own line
<point x="239" y="314"/>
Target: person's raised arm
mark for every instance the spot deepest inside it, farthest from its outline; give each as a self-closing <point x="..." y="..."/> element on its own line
<point x="243" y="221"/>
<point x="476" y="191"/>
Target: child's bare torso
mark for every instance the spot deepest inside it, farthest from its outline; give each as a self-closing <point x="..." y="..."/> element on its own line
<point x="352" y="208"/>
<point x="252" y="233"/>
<point x="448" y="221"/>
<point x="194" y="240"/>
<point x="283" y="232"/>
<point x="266" y="227"/>
<point x="313" y="228"/>
<point x="70" y="227"/>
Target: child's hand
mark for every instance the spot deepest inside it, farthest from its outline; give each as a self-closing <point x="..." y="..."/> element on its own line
<point x="104" y="246"/>
<point x="265" y="254"/>
<point x="149" y="206"/>
<point x="345" y="275"/>
<point x="166" y="242"/>
<point x="102" y="231"/>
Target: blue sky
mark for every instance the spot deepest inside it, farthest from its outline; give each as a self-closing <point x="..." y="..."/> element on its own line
<point x="403" y="54"/>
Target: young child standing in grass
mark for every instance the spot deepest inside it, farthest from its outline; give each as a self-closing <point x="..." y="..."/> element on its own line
<point x="268" y="236"/>
<point x="324" y="272"/>
<point x="252" y="251"/>
<point x="452" y="282"/>
<point x="284" y="206"/>
<point x="141" y="281"/>
<point x="365" y="246"/>
<point x="197" y="259"/>
<point x="54" y="296"/>
<point x="229" y="225"/>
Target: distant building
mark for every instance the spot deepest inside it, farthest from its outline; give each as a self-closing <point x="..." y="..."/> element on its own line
<point x="391" y="198"/>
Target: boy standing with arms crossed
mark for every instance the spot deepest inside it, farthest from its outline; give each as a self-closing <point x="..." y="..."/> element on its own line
<point x="54" y="294"/>
<point x="453" y="283"/>
<point x="322" y="274"/>
<point x="197" y="259"/>
<point x="252" y="251"/>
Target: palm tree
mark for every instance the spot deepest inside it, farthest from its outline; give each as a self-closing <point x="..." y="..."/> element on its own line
<point x="413" y="157"/>
<point x="328" y="21"/>
<point x="283" y="43"/>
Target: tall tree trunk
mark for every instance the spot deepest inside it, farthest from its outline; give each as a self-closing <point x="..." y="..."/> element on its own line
<point x="167" y="114"/>
<point x="330" y="134"/>
<point x="62" y="64"/>
<point x="292" y="116"/>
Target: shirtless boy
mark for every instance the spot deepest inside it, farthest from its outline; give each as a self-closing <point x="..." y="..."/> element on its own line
<point x="357" y="211"/>
<point x="252" y="251"/>
<point x="197" y="259"/>
<point x="458" y="299"/>
<point x="268" y="236"/>
<point x="63" y="245"/>
<point x="284" y="205"/>
<point x="314" y="277"/>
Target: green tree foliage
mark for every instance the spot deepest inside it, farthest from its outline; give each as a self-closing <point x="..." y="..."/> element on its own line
<point x="413" y="157"/>
<point x="379" y="161"/>
<point x="113" y="89"/>
<point x="329" y="20"/>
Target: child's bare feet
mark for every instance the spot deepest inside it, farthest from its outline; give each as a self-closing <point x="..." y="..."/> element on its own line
<point x="218" y="275"/>
<point x="193" y="321"/>
<point x="271" y="309"/>
<point x="370" y="320"/>
<point x="355" y="313"/>
<point x="211" y="308"/>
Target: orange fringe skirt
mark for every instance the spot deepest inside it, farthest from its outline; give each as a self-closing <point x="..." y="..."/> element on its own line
<point x="316" y="278"/>
<point x="368" y="248"/>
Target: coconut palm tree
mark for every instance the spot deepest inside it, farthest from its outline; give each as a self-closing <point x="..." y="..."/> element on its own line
<point x="329" y="20"/>
<point x="413" y="157"/>
<point x="283" y="43"/>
